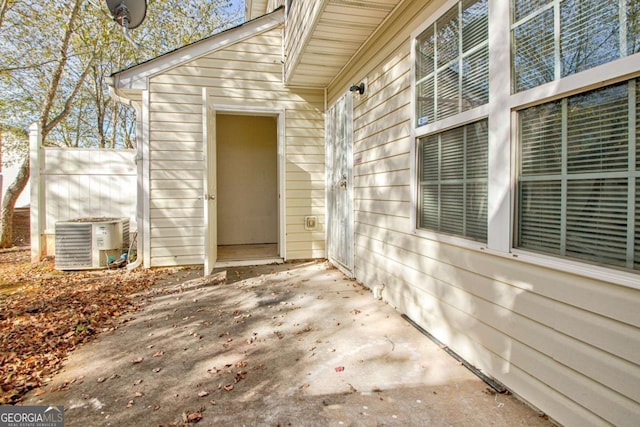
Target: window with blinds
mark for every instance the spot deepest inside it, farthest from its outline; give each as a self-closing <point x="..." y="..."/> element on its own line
<point x="557" y="38"/>
<point x="579" y="177"/>
<point x="453" y="181"/>
<point x="452" y="63"/>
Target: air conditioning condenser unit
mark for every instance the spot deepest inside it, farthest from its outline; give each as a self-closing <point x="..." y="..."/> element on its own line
<point x="90" y="243"/>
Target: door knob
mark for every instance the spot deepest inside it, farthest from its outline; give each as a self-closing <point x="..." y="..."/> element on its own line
<point x="343" y="181"/>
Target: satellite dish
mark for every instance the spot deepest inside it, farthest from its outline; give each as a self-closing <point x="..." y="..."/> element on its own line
<point x="128" y="13"/>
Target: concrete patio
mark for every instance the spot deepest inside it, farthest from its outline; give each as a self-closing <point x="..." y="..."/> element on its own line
<point x="294" y="344"/>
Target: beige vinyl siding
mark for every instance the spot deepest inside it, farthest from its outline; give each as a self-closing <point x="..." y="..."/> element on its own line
<point x="568" y="344"/>
<point x="257" y="8"/>
<point x="247" y="74"/>
<point x="305" y="183"/>
<point x="274" y="4"/>
<point x="300" y="21"/>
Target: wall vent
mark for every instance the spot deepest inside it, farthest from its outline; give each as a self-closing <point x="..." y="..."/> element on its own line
<point x="89" y="243"/>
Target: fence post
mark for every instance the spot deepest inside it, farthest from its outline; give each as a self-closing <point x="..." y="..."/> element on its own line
<point x="37" y="196"/>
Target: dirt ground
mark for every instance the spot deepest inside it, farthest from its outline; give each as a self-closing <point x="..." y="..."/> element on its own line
<point x="294" y="344"/>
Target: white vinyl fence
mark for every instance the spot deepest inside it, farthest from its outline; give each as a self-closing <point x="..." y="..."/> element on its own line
<point x="73" y="183"/>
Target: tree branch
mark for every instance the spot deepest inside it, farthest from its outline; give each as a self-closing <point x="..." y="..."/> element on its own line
<point x="67" y="105"/>
<point x="57" y="75"/>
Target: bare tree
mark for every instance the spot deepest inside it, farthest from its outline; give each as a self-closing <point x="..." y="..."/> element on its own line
<point x="48" y="119"/>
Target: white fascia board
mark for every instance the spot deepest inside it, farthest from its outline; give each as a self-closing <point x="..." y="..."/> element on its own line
<point x="136" y="78"/>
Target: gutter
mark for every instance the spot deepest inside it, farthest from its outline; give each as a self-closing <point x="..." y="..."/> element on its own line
<point x="139" y="215"/>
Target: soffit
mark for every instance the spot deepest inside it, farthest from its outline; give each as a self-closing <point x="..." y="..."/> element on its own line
<point x="341" y="28"/>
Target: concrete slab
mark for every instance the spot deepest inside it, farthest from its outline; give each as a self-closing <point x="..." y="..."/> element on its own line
<point x="293" y="344"/>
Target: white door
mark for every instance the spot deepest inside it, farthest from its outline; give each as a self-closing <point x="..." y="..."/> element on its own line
<point x="209" y="186"/>
<point x="339" y="158"/>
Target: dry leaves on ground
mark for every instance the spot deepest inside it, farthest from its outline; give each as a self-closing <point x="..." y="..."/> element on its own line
<point x="44" y="314"/>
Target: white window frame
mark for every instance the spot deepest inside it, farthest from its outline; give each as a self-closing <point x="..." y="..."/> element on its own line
<point x="458" y="120"/>
<point x="555" y="5"/>
<point x="501" y="112"/>
<point x="617" y="71"/>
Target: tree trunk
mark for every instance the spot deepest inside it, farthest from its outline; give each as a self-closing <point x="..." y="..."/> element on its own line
<point x="9" y="202"/>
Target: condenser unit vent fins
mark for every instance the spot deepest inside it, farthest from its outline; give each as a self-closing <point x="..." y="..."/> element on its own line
<point x="73" y="245"/>
<point x="89" y="243"/>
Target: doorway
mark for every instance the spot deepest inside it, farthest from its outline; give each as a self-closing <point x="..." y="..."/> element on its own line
<point x="247" y="187"/>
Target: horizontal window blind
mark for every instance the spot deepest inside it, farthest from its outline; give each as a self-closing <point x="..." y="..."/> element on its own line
<point x="557" y="38"/>
<point x="633" y="23"/>
<point x="522" y="8"/>
<point x="453" y="181"/>
<point x="589" y="34"/>
<point x="577" y="183"/>
<point x="598" y="131"/>
<point x="452" y="63"/>
<point x="533" y="51"/>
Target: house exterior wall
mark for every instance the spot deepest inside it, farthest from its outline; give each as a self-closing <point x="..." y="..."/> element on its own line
<point x="274" y="4"/>
<point x="565" y="341"/>
<point x="255" y="8"/>
<point x="245" y="75"/>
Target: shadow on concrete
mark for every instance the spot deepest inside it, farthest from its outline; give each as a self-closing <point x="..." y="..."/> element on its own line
<point x="291" y="344"/>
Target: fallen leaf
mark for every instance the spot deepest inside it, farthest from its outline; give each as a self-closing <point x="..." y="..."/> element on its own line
<point x="156" y="370"/>
<point x="137" y="382"/>
<point x="228" y="387"/>
<point x="138" y="394"/>
<point x="203" y="393"/>
<point x="195" y="417"/>
<point x="240" y="376"/>
<point x="130" y="404"/>
<point x="138" y="360"/>
<point x="158" y="353"/>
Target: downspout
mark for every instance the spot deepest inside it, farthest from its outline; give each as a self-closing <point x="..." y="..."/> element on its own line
<point x="139" y="165"/>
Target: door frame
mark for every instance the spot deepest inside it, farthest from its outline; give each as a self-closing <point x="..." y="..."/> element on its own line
<point x="210" y="108"/>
